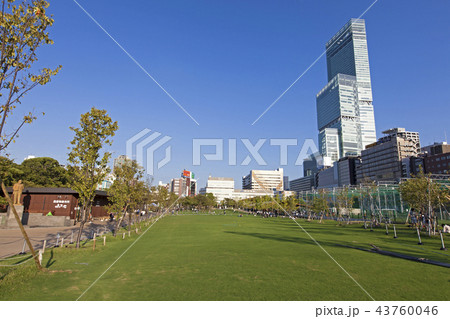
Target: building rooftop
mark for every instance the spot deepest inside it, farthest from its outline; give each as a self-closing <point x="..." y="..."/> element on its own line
<point x="52" y="190"/>
<point x="210" y="178"/>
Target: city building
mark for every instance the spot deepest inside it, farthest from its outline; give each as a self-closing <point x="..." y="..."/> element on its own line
<point x="29" y="157"/>
<point x="347" y="170"/>
<point x="286" y="183"/>
<point x="328" y="177"/>
<point x="345" y="115"/>
<point x="239" y="194"/>
<point x="186" y="185"/>
<point x="434" y="159"/>
<point x="284" y="194"/>
<point x="438" y="163"/>
<point x="120" y="160"/>
<point x="311" y="165"/>
<point x="220" y="187"/>
<point x="264" y="179"/>
<point x="436" y="148"/>
<point x="106" y="182"/>
<point x="384" y="160"/>
<point x="303" y="184"/>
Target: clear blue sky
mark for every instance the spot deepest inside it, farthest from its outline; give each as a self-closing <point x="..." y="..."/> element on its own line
<point x="225" y="62"/>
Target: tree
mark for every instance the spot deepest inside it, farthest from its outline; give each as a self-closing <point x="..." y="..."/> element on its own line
<point x="344" y="202"/>
<point x="320" y="203"/>
<point x="424" y="195"/>
<point x="10" y="172"/>
<point x="23" y="30"/>
<point x="228" y="202"/>
<point x="160" y="196"/>
<point x="290" y="203"/>
<point x="127" y="190"/>
<point x="44" y="172"/>
<point x="87" y="166"/>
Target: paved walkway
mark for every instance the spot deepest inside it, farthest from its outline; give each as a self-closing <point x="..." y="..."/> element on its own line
<point x="11" y="240"/>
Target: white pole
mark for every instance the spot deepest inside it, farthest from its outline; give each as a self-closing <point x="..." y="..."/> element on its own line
<point x="442" y="242"/>
<point x="23" y="247"/>
<point x="40" y="257"/>
<point x="43" y="246"/>
<point x="418" y="235"/>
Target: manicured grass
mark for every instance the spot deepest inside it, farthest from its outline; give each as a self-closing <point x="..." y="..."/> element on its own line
<point x="226" y="257"/>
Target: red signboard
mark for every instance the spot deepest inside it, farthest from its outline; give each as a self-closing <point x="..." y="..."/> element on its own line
<point x="186" y="173"/>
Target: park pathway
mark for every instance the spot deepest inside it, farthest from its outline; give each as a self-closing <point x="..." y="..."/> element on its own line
<point x="11" y="240"/>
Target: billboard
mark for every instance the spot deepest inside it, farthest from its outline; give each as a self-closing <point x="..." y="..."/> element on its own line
<point x="186" y="174"/>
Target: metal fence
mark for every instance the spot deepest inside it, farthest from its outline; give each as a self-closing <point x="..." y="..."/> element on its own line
<point x="381" y="200"/>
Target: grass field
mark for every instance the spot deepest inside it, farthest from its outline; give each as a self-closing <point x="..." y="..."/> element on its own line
<point x="226" y="257"/>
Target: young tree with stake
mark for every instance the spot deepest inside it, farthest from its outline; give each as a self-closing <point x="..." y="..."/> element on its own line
<point x="87" y="166"/>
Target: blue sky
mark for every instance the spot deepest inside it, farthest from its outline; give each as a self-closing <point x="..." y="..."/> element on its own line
<point x="225" y="62"/>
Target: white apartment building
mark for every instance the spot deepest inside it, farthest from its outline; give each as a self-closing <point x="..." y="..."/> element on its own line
<point x="223" y="187"/>
<point x="220" y="187"/>
<point x="264" y="180"/>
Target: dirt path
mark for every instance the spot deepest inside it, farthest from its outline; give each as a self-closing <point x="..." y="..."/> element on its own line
<point x="11" y="240"/>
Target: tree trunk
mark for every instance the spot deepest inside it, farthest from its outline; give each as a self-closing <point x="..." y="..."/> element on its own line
<point x="129" y="221"/>
<point x="124" y="213"/>
<point x="82" y="222"/>
<point x="118" y="224"/>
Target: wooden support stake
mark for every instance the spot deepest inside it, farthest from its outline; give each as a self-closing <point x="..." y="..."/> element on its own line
<point x="43" y="246"/>
<point x="104" y="240"/>
<point x="93" y="246"/>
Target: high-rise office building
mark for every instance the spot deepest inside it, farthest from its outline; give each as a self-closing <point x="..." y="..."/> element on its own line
<point x="345" y="114"/>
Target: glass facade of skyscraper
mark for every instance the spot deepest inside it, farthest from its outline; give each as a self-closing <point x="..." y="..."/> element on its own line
<point x="345" y="103"/>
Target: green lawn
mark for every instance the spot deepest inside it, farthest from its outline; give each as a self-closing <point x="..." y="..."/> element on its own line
<point x="226" y="257"/>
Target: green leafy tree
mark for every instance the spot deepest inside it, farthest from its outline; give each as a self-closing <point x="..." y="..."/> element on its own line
<point x="127" y="190"/>
<point x="44" y="172"/>
<point x="23" y="31"/>
<point x="424" y="195"/>
<point x="160" y="197"/>
<point x="228" y="202"/>
<point x="290" y="203"/>
<point x="344" y="202"/>
<point x="10" y="172"/>
<point x="87" y="166"/>
<point x="320" y="203"/>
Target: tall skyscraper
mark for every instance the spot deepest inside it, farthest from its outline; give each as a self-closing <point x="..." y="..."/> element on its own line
<point x="345" y="114"/>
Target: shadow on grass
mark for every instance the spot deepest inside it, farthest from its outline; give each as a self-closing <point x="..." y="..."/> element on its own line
<point x="336" y="244"/>
<point x="50" y="261"/>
